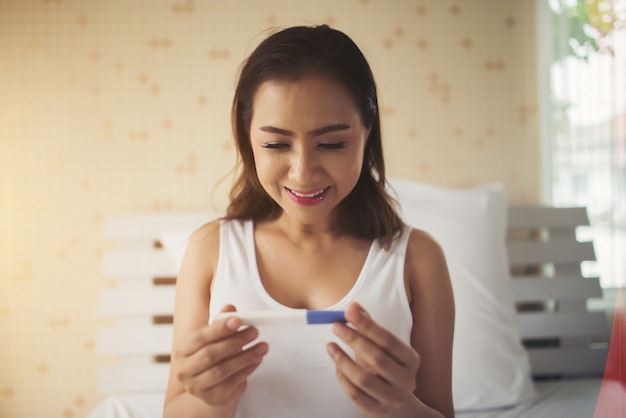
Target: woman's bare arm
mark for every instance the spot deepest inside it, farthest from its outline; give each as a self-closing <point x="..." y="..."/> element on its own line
<point x="208" y="367"/>
<point x="432" y="305"/>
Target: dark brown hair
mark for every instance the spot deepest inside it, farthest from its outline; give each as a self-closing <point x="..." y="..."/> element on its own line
<point x="292" y="54"/>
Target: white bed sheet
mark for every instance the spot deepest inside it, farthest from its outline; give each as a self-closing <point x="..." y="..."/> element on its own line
<point x="574" y="398"/>
<point x="137" y="405"/>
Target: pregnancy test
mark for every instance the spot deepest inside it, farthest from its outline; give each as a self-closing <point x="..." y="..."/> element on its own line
<point x="293" y="317"/>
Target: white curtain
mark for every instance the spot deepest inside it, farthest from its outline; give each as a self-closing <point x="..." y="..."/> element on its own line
<point x="582" y="45"/>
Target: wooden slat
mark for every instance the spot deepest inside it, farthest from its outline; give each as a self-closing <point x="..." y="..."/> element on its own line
<point x="535" y="288"/>
<point x="562" y="324"/>
<point x="133" y="378"/>
<point x="538" y="252"/>
<point x="533" y="217"/>
<point x="567" y="361"/>
<point x="136" y="339"/>
<point x="142" y="226"/>
<point x="133" y="261"/>
<point x="138" y="297"/>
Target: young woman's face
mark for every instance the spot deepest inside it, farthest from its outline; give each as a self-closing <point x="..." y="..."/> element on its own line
<point x="308" y="142"/>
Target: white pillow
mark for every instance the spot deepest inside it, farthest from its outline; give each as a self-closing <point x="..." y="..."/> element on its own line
<point x="490" y="367"/>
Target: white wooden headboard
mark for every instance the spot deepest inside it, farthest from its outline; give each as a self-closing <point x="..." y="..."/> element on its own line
<point x="562" y="337"/>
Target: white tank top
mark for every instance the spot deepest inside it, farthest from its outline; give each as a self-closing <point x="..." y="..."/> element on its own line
<point x="297" y="376"/>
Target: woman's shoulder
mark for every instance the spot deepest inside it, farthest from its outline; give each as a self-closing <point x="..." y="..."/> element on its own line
<point x="207" y="234"/>
<point x="427" y="277"/>
<point x="421" y="240"/>
<point x="203" y="249"/>
<point x="425" y="258"/>
<point x="205" y="241"/>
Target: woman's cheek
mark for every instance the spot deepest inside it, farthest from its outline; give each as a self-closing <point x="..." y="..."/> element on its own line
<point x="269" y="167"/>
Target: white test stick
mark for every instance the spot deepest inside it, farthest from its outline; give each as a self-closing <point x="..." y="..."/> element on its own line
<point x="291" y="317"/>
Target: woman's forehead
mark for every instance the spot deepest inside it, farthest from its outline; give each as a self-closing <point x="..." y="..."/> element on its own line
<point x="305" y="92"/>
<point x="303" y="102"/>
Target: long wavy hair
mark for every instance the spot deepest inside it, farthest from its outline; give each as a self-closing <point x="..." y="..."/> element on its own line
<point x="292" y="54"/>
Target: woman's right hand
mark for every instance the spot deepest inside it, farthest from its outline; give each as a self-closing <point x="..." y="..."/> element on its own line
<point x="212" y="363"/>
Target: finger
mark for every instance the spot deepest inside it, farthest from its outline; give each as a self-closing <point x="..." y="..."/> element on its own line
<point x="231" y="366"/>
<point x="231" y="389"/>
<point x="210" y="333"/>
<point x="228" y="308"/>
<point x="365" y="325"/>
<point x="362" y="400"/>
<point x="373" y="359"/>
<point x="212" y="354"/>
<point x="369" y="391"/>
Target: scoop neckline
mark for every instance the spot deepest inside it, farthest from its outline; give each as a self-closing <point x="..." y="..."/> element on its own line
<point x="267" y="298"/>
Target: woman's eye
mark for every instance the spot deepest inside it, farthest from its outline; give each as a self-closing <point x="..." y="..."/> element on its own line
<point x="333" y="145"/>
<point x="275" y="145"/>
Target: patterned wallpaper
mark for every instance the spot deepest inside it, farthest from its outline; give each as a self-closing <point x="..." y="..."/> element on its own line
<point x="122" y="106"/>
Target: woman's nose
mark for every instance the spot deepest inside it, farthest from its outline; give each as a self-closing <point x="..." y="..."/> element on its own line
<point x="304" y="168"/>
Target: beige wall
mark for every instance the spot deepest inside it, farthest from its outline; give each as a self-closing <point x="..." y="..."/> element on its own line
<point x="119" y="106"/>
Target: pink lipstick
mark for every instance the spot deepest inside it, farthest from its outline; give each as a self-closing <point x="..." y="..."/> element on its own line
<point x="309" y="197"/>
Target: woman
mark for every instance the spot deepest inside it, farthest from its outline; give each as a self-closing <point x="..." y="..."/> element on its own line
<point x="311" y="226"/>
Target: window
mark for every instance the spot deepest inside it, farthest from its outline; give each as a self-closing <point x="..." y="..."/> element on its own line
<point x="582" y="73"/>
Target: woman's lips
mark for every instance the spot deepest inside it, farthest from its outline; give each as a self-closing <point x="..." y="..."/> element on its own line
<point x="309" y="197"/>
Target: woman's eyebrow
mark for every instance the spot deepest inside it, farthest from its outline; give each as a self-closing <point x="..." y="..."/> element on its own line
<point x="330" y="128"/>
<point x="315" y="132"/>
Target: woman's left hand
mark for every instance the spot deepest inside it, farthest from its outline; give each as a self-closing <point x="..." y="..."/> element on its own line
<point x="381" y="378"/>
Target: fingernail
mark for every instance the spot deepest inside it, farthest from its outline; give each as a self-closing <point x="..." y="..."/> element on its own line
<point x="261" y="349"/>
<point x="332" y="349"/>
<point x="339" y="330"/>
<point x="354" y="316"/>
<point x="232" y="323"/>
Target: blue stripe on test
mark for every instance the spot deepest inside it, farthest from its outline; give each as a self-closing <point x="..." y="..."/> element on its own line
<point x="324" y="317"/>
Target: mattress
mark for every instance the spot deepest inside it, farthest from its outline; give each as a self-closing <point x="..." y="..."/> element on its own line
<point x="573" y="398"/>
